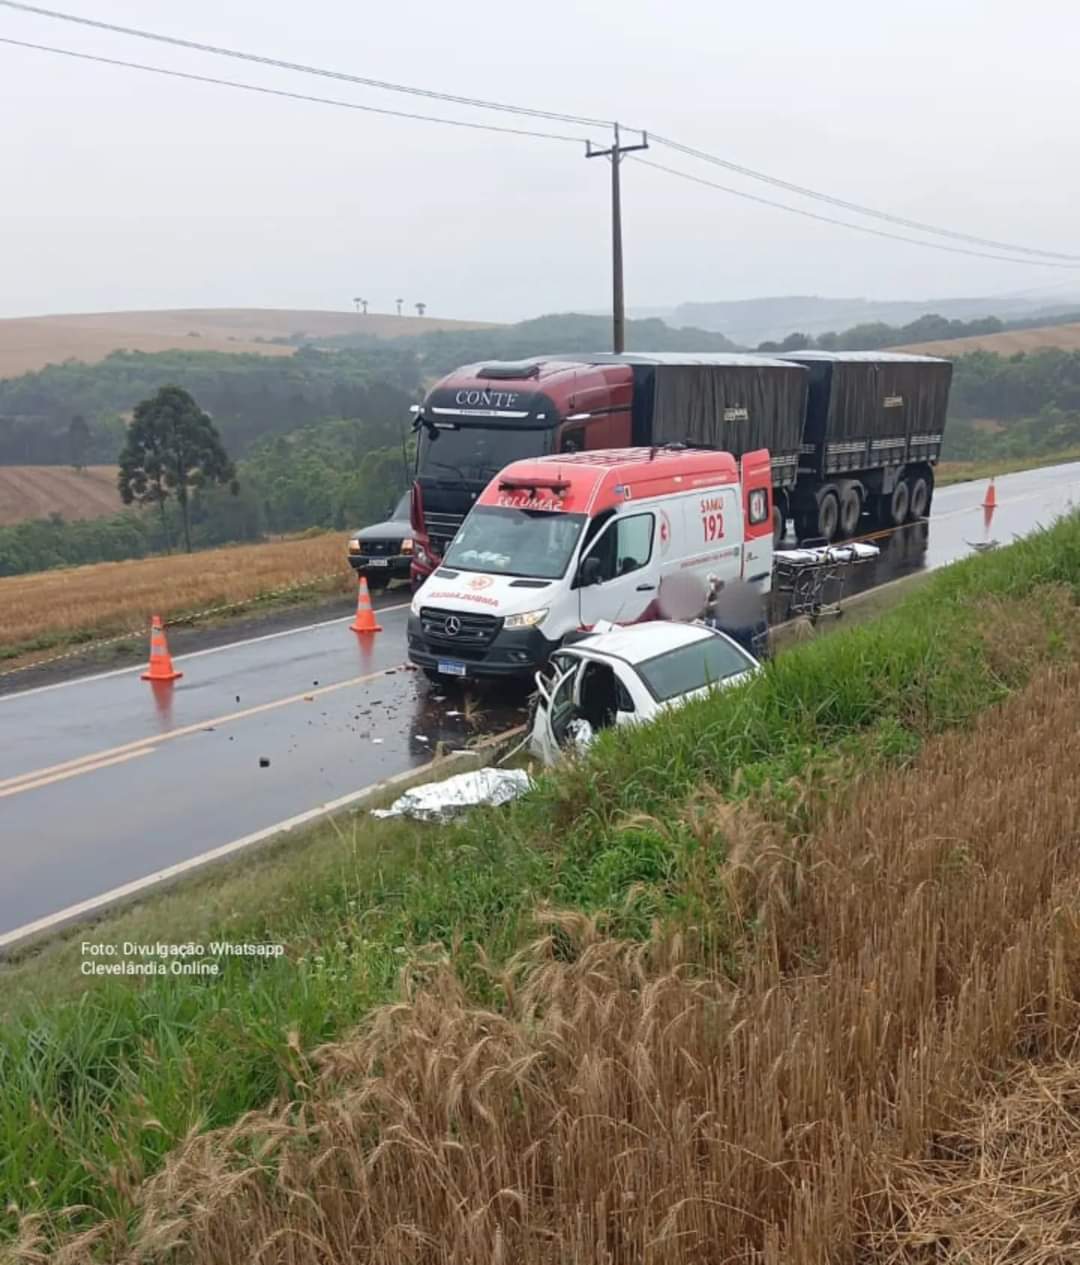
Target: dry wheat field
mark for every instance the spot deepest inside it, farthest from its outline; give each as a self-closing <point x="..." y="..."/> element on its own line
<point x="117" y="597"/>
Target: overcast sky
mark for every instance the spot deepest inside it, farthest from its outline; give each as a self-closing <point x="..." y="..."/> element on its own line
<point x="122" y="189"/>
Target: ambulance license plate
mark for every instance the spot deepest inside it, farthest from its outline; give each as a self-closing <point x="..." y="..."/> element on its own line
<point x="451" y="667"/>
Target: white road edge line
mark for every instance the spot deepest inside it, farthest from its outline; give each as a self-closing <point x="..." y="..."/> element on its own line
<point x="9" y="938"/>
<point x="193" y="654"/>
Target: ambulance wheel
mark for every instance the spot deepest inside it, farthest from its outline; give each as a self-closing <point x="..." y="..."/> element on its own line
<point x="898" y="504"/>
<point x="850" y="511"/>
<point x="828" y="516"/>
<point x="918" y="498"/>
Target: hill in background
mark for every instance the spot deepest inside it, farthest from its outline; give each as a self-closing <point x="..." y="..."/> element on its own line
<point x="753" y="321"/>
<point x="30" y="343"/>
<point x="1007" y="343"/>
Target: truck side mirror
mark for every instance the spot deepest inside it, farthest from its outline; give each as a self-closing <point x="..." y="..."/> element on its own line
<point x="590" y="572"/>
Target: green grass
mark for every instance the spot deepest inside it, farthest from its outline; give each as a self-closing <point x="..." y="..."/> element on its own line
<point x="966" y="471"/>
<point x="97" y="1082"/>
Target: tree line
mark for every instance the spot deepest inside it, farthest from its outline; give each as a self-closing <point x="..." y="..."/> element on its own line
<point x="185" y="490"/>
<point x="876" y="335"/>
<point x="345" y="467"/>
<point x="77" y="414"/>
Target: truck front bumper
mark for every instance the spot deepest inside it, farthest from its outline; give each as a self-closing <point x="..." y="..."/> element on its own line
<point x="392" y="566"/>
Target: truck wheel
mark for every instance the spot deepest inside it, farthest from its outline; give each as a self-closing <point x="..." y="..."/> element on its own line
<point x="376" y="583"/>
<point x="778" y="525"/>
<point x="828" y="516"/>
<point x="918" y="498"/>
<point x="850" y="511"/>
<point x="898" y="504"/>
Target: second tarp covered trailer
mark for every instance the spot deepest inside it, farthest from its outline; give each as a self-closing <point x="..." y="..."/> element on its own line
<point x="870" y="409"/>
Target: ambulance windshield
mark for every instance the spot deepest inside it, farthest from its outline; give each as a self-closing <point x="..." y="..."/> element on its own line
<point x="533" y="544"/>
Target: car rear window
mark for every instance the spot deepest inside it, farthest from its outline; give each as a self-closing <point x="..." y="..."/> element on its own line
<point x="693" y="667"/>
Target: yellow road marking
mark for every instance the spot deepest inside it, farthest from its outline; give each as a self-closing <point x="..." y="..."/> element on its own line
<point x="139" y="744"/>
<point x="49" y="779"/>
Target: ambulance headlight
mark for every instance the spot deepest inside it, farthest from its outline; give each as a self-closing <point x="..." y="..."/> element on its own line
<point x="527" y="619"/>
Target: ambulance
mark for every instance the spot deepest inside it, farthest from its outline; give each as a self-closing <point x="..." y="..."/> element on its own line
<point x="556" y="544"/>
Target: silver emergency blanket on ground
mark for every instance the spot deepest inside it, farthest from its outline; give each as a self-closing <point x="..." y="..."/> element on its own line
<point x="439" y="801"/>
<point x="826" y="555"/>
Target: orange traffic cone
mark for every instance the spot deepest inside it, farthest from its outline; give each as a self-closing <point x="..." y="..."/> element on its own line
<point x="990" y="500"/>
<point x="161" y="665"/>
<point x="365" y="615"/>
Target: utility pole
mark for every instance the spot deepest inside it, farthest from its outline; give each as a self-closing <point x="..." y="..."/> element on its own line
<point x="618" y="310"/>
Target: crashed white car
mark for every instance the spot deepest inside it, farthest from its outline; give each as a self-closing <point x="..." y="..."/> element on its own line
<point x="628" y="675"/>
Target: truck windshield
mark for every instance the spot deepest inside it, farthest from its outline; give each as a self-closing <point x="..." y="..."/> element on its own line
<point x="536" y="544"/>
<point x="476" y="453"/>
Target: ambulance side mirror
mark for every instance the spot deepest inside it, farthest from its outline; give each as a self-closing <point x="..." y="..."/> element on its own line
<point x="590" y="572"/>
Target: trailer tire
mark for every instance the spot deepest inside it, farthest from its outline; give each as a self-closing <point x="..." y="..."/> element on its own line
<point x="898" y="504"/>
<point x="850" y="510"/>
<point x="828" y="515"/>
<point x="918" y="498"/>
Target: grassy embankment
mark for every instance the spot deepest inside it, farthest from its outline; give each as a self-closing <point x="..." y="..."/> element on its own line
<point x="50" y="610"/>
<point x="967" y="471"/>
<point x="811" y="890"/>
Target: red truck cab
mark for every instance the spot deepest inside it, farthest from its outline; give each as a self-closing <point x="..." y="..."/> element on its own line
<point x="480" y="418"/>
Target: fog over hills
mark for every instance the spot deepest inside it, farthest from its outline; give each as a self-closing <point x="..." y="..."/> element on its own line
<point x="751" y="321"/>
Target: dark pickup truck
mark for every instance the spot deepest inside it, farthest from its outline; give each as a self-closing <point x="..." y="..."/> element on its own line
<point x="384" y="551"/>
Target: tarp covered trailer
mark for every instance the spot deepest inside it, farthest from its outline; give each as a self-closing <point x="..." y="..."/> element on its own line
<point x="734" y="403"/>
<point x="871" y="408"/>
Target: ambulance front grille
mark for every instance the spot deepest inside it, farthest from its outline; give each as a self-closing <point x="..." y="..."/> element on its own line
<point x="467" y="630"/>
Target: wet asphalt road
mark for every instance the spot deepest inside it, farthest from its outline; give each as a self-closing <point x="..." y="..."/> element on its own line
<point x="105" y="780"/>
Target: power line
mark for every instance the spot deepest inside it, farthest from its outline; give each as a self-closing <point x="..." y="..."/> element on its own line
<point x="858" y="228"/>
<point x="294" y="96"/>
<point x="480" y="103"/>
<point x="851" y="206"/>
<point x="218" y="51"/>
